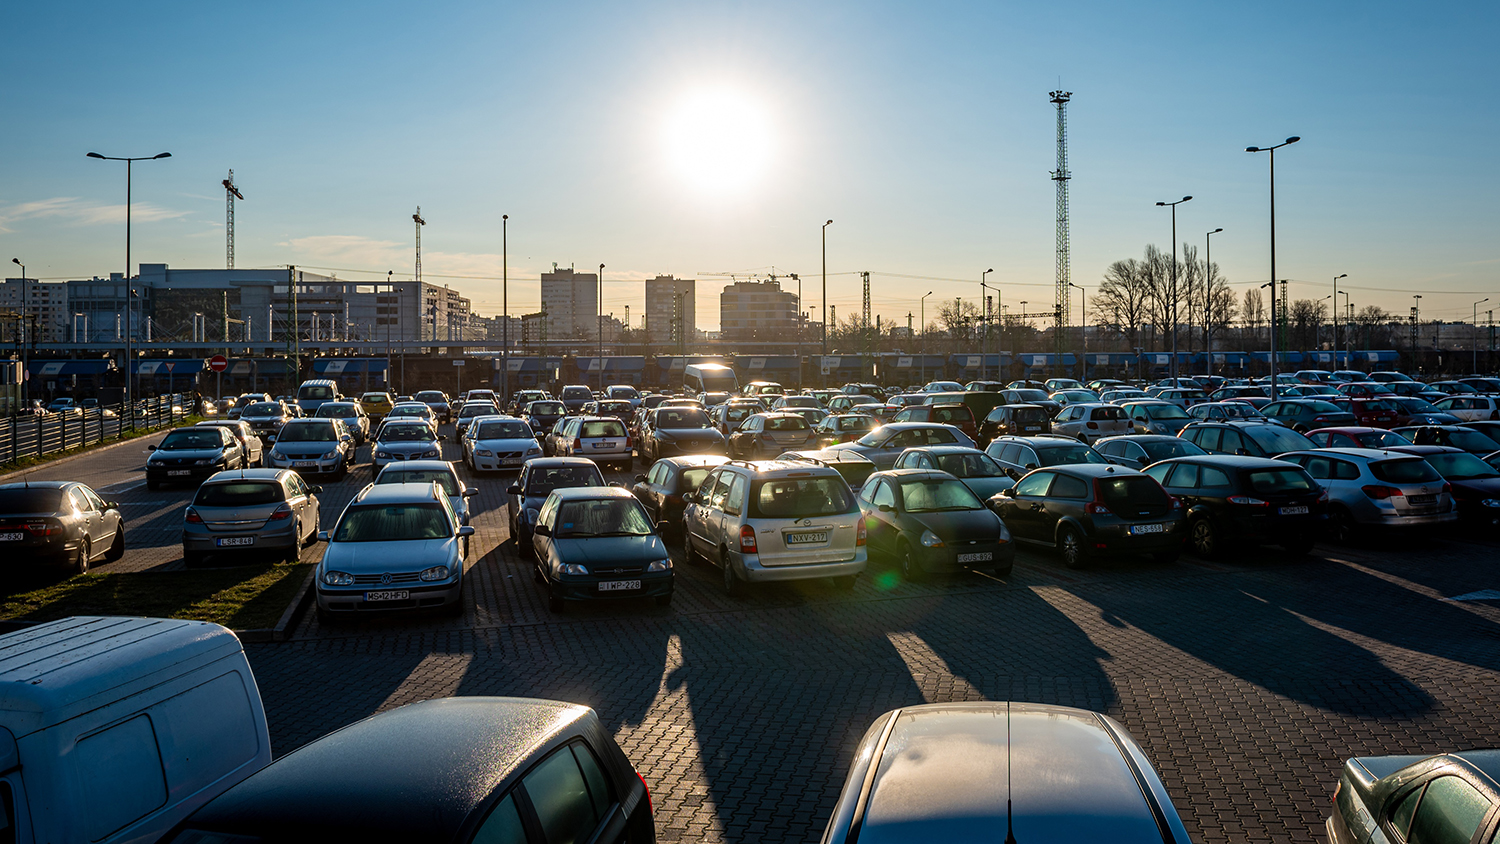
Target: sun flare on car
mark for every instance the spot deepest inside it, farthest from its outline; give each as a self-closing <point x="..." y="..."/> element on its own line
<point x="718" y="140"/>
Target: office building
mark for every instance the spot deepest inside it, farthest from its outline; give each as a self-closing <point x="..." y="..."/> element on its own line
<point x="757" y="311"/>
<point x="571" y="301"/>
<point x="662" y="304"/>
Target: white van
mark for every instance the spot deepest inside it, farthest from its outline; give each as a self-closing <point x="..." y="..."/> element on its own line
<point x="700" y="378"/>
<point x="115" y="729"/>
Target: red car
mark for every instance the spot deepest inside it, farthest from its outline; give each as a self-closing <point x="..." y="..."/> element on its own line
<point x="957" y="415"/>
<point x="1356" y="437"/>
<point x="1369" y="411"/>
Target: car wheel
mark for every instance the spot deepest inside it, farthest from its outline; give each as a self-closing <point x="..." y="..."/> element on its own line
<point x="293" y="552"/>
<point x="1204" y="538"/>
<point x="689" y="557"/>
<point x="664" y="600"/>
<point x="732" y="586"/>
<point x="1071" y="547"/>
<point x="116" y="548"/>
<point x="911" y="570"/>
<point x="1341" y="525"/>
<point x="81" y="557"/>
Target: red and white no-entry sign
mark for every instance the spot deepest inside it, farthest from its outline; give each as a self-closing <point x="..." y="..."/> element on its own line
<point x="218" y="363"/>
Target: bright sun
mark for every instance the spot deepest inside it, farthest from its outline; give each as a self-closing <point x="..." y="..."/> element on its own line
<point x="718" y="140"/>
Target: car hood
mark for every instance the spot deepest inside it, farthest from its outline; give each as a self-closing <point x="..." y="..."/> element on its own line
<point x="406" y="447"/>
<point x="184" y="454"/>
<point x="956" y="525"/>
<point x="398" y="556"/>
<point x="518" y="444"/>
<point x="600" y="550"/>
<point x="986" y="487"/>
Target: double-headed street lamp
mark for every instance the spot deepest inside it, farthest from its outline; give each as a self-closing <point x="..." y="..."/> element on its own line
<point x="1208" y="302"/>
<point x="1272" y="150"/>
<point x="1474" y="341"/>
<point x="825" y="286"/>
<point x="1173" y="206"/>
<point x="1083" y="328"/>
<point x="984" y="345"/>
<point x="21" y="333"/>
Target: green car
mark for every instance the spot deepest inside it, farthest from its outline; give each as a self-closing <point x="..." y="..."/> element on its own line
<point x="1421" y="800"/>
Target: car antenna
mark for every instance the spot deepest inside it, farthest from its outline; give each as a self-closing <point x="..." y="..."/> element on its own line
<point x="1010" y="835"/>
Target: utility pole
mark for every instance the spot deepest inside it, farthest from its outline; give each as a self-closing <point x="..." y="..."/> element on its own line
<point x="825" y="286"/>
<point x="984" y="343"/>
<point x="293" y="341"/>
<point x="1208" y="302"/>
<point x="231" y="193"/>
<point x="599" y="311"/>
<point x="505" y="307"/>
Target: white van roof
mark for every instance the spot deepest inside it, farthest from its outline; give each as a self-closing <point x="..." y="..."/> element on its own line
<point x="59" y="670"/>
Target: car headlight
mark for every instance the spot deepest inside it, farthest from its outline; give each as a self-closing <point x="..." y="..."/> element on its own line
<point x="532" y="451"/>
<point x="382" y="454"/>
<point x="207" y="461"/>
<point x="331" y="455"/>
<point x="660" y="565"/>
<point x="338" y="578"/>
<point x="1491" y="502"/>
<point x="435" y="573"/>
<point x="573" y="568"/>
<point x="931" y="540"/>
<point x="430" y="453"/>
<point x="484" y="452"/>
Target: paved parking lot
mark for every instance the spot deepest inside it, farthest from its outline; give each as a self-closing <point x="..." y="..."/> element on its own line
<point x="1247" y="681"/>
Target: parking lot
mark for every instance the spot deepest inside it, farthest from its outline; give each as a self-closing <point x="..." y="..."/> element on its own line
<point x="1247" y="681"/>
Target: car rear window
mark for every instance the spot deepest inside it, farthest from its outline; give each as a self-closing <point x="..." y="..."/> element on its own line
<point x="1133" y="492"/>
<point x="1280" y="480"/>
<point x="577" y="393"/>
<point x="1461" y="466"/>
<point x="602" y="428"/>
<point x="1412" y="471"/>
<point x="420" y="476"/>
<point x="1167" y="449"/>
<point x="786" y="423"/>
<point x="30" y="500"/>
<point x="952" y="414"/>
<point x="795" y="498"/>
<point x="546" y="408"/>
<point x="853" y="472"/>
<point x="857" y="423"/>
<point x="1278" y="440"/>
<point x="1106" y="413"/>
<point x="238" y="494"/>
<point x="1067" y="455"/>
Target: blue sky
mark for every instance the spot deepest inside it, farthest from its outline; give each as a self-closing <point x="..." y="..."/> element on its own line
<point x="923" y="130"/>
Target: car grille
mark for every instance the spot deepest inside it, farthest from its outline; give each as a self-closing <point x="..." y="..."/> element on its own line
<point x="616" y="570"/>
<point x="379" y="579"/>
<point x="506" y="455"/>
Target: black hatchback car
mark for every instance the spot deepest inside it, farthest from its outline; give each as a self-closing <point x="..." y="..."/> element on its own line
<point x="1251" y="439"/>
<point x="661" y="488"/>
<point x="1235" y="501"/>
<point x="930" y="521"/>
<point x="1015" y="420"/>
<point x="1088" y="510"/>
<point x="1457" y="436"/>
<point x="1019" y="455"/>
<point x="1475" y="483"/>
<point x="59" y="521"/>
<point x="463" y="769"/>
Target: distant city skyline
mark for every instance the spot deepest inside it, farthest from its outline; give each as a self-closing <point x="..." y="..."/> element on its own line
<point x="712" y="143"/>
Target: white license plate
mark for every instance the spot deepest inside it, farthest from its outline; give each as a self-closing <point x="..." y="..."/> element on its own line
<point x="618" y="585"/>
<point x="976" y="558"/>
<point x="232" y="541"/>
<point x="394" y="595"/>
<point x="1139" y="529"/>
<point x="12" y="537"/>
<point x="178" y="473"/>
<point x="806" y="538"/>
<point x="1294" y="511"/>
<point x="305" y="464"/>
<point x="604" y="445"/>
<point x="512" y="461"/>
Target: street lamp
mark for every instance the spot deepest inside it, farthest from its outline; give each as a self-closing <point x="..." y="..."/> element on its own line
<point x="984" y="345"/>
<point x="825" y="286"/>
<point x="1173" y="206"/>
<point x="599" y="308"/>
<point x="1348" y="332"/>
<point x="922" y="307"/>
<point x="1416" y="327"/>
<point x="1083" y="327"/>
<point x="505" y="307"/>
<point x="21" y="333"/>
<point x="1474" y="337"/>
<point x="1272" y="150"/>
<point x="1208" y="303"/>
<point x="1336" y="316"/>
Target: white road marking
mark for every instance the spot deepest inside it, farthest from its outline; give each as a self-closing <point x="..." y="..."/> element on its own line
<point x="120" y="487"/>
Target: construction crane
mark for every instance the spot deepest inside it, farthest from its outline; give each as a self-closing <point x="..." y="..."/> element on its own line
<point x="231" y="193"/>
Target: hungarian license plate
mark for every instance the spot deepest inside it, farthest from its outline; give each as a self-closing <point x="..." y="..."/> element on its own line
<point x="305" y="464"/>
<point x="1300" y="510"/>
<point x="393" y="595"/>
<point x="1420" y="500"/>
<point x="1033" y="427"/>
<point x="12" y="537"/>
<point x="980" y="557"/>
<point x="234" y="541"/>
<point x="604" y="445"/>
<point x="511" y="461"/>
<point x="618" y="585"/>
<point x="1140" y="529"/>
<point x="178" y="473"/>
<point x="807" y="538"/>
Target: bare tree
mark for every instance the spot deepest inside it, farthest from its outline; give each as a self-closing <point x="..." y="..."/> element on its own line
<point x="1122" y="299"/>
<point x="1222" y="308"/>
<point x="1304" y="317"/>
<point x="1254" y="313"/>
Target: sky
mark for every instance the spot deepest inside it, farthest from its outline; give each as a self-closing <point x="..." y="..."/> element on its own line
<point x="712" y="140"/>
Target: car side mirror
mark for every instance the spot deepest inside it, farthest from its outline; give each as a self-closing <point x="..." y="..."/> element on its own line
<point x="690" y="497"/>
<point x="542" y="530"/>
<point x="1242" y="451"/>
<point x="1009" y="492"/>
<point x="442" y="436"/>
<point x="150" y="448"/>
<point x="111" y="505"/>
<point x="515" y="489"/>
<point x="466" y="530"/>
<point x="470" y="492"/>
<point x="663" y="527"/>
<point x="346" y="437"/>
<point x="640" y="479"/>
<point x="315" y="489"/>
<point x="1030" y="466"/>
<point x="322" y="536"/>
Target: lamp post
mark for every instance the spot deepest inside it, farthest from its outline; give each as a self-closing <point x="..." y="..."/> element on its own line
<point x="984" y="345"/>
<point x="825" y="286"/>
<point x="1318" y="326"/>
<point x="1173" y="206"/>
<point x="1272" y="150"/>
<point x="1348" y="331"/>
<point x="1208" y="302"/>
<point x="21" y="335"/>
<point x="1083" y="328"/>
<point x="922" y="307"/>
<point x="1474" y="342"/>
<point x="1336" y="316"/>
<point x="1416" y="327"/>
<point x="505" y="307"/>
<point x="599" y="307"/>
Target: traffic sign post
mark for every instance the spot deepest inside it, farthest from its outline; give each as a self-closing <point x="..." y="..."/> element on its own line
<point x="460" y="373"/>
<point x="219" y="363"/>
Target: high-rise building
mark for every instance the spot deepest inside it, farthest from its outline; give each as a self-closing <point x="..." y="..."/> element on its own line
<point x="571" y="301"/>
<point x="757" y="310"/>
<point x="662" y="308"/>
<point x="44" y="306"/>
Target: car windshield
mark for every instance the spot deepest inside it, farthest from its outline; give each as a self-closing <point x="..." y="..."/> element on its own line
<point x="1276" y="439"/>
<point x="380" y="397"/>
<point x="1165" y="411"/>
<point x="314" y="433"/>
<point x="503" y="431"/>
<point x="238" y="494"/>
<point x="681" y="417"/>
<point x="422" y="412"/>
<point x="444" y="478"/>
<point x="786" y="423"/>
<point x="1380" y="439"/>
<point x="976" y="465"/>
<point x="1472" y="441"/>
<point x="1412" y="404"/>
<point x="601" y="428"/>
<point x="1068" y="455"/>
<point x="1408" y="471"/>
<point x="601" y="517"/>
<point x="336" y="411"/>
<point x="316" y="392"/>
<point x="1279" y="480"/>
<point x="188" y="440"/>
<point x="34" y="500"/>
<point x="407" y="433"/>
<point x="393" y="523"/>
<point x="544" y="480"/>
<point x="795" y="498"/>
<point x="1166" y="449"/>
<point x="430" y="396"/>
<point x="931" y="496"/>
<point x="545" y="408"/>
<point x="472" y="410"/>
<point x="577" y="393"/>
<point x="1461" y="466"/>
<point x="264" y="408"/>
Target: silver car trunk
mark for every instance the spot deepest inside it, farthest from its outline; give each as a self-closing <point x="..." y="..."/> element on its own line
<point x="793" y="525"/>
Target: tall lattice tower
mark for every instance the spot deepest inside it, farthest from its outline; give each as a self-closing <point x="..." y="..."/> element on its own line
<point x="1061" y="175"/>
<point x="417" y="218"/>
<point x="231" y="193"/>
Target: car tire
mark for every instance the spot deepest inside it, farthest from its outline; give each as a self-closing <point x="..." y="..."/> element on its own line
<point x="911" y="570"/>
<point x="1003" y="571"/>
<point x="293" y="552"/>
<point x="1070" y="546"/>
<point x="1204" y="538"/>
<point x="1341" y="526"/>
<point x="664" y="600"/>
<point x="81" y="557"/>
<point x="846" y="583"/>
<point x="733" y="587"/>
<point x="689" y="556"/>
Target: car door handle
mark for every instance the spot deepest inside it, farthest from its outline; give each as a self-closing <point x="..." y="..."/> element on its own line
<point x="1038" y="507"/>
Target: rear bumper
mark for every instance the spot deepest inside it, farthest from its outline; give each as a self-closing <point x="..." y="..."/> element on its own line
<point x="1116" y="539"/>
<point x="202" y="539"/>
<point x="1274" y="529"/>
<point x="748" y="567"/>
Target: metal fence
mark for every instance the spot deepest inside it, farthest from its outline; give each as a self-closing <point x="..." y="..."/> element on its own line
<point x="36" y="436"/>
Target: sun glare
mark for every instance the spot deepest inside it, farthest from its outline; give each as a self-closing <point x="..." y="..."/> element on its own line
<point x="719" y="141"/>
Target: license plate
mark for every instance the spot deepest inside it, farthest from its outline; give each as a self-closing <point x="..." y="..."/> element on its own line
<point x="604" y="445"/>
<point x="12" y="537"/>
<point x="1294" y="511"/>
<point x="806" y="538"/>
<point x="1139" y="529"/>
<point x="618" y="585"/>
<point x="233" y="541"/>
<point x="1419" y="500"/>
<point x="512" y="461"/>
<point x="976" y="558"/>
<point x="305" y="464"/>
<point x="1033" y="427"/>
<point x="394" y="595"/>
<point x="176" y="473"/>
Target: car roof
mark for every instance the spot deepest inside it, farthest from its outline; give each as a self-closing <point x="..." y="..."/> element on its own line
<point x="917" y="474"/>
<point x="1090" y="470"/>
<point x="1348" y="429"/>
<point x="781" y="467"/>
<point x="572" y="492"/>
<point x="828" y="455"/>
<point x="1236" y="461"/>
<point x="1360" y="453"/>
<point x="1139" y="438"/>
<point x="693" y="460"/>
<point x="1039" y="441"/>
<point x="396" y="493"/>
<point x="1427" y="449"/>
<point x="417" y="465"/>
<point x="38" y="485"/>
<point x="945" y="449"/>
<point x="229" y="475"/>
<point x="416" y="772"/>
<point x="554" y="462"/>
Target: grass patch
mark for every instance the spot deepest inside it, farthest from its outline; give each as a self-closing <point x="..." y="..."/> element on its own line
<point x="39" y="460"/>
<point x="240" y="598"/>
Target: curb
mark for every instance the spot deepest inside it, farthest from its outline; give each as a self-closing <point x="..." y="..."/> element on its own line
<point x="289" y="617"/>
<point x="88" y="452"/>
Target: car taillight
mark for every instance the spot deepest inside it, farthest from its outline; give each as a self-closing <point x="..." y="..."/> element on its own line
<point x="42" y="528"/>
<point x="1248" y="501"/>
<point x="1094" y="508"/>
<point x="282" y="512"/>
<point x="193" y="518"/>
<point x="578" y="443"/>
<point x="1320" y="418"/>
<point x="1447" y="489"/>
<point x="1176" y="502"/>
<point x="648" y="790"/>
<point x="1322" y="496"/>
<point x="1380" y="493"/>
<point x="627" y="441"/>
<point x="747" y="540"/>
<point x="860" y="534"/>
